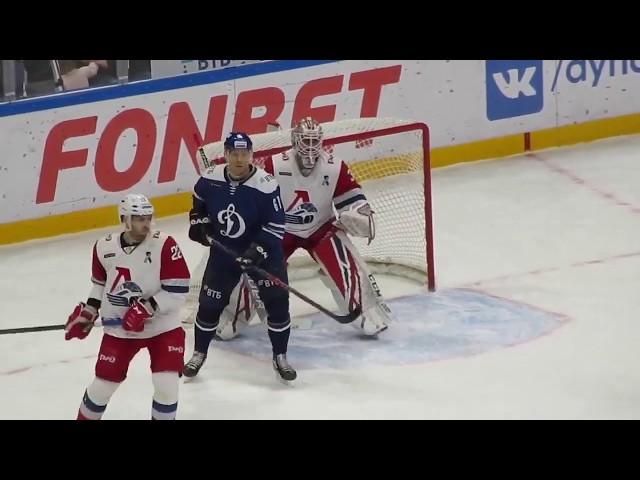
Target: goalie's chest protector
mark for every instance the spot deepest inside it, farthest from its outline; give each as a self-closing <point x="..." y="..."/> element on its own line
<point x="308" y="201"/>
<point x="141" y="265"/>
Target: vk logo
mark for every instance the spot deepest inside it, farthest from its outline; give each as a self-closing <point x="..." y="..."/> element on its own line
<point x="514" y="88"/>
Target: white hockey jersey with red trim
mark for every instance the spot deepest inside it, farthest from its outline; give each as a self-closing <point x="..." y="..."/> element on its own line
<point x="309" y="201"/>
<point x="156" y="265"/>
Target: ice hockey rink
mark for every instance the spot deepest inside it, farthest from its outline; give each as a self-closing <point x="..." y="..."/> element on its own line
<point x="535" y="316"/>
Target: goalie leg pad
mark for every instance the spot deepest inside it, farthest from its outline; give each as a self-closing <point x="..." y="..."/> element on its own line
<point x="372" y="321"/>
<point x="337" y="295"/>
<point x="376" y="314"/>
<point x="337" y="260"/>
<point x="239" y="312"/>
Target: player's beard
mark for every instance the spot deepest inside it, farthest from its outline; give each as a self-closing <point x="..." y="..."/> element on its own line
<point x="239" y="171"/>
<point x="137" y="234"/>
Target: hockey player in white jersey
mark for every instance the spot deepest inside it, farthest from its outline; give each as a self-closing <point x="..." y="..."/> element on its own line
<point x="140" y="281"/>
<point x="313" y="182"/>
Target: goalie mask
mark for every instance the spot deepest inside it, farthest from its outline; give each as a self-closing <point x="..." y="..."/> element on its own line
<point x="306" y="138"/>
<point x="134" y="205"/>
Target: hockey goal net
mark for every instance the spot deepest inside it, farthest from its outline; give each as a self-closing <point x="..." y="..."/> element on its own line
<point x="390" y="159"/>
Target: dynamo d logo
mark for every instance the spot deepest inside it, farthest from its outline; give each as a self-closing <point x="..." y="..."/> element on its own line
<point x="233" y="223"/>
<point x="514" y="88"/>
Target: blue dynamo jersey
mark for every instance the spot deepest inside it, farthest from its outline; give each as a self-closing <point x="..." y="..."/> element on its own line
<point x="242" y="212"/>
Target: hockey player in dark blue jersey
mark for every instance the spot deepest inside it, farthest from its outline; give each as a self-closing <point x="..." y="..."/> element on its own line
<point x="239" y="205"/>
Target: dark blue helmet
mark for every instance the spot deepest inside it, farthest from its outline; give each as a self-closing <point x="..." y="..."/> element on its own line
<point x="238" y="140"/>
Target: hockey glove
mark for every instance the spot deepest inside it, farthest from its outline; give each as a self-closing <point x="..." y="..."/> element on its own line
<point x="139" y="311"/>
<point x="80" y="321"/>
<point x="198" y="228"/>
<point x="252" y="257"/>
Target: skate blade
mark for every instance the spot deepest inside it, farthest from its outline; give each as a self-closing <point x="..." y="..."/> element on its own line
<point x="187" y="379"/>
<point x="289" y="383"/>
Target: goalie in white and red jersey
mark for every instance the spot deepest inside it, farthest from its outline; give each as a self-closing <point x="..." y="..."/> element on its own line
<point x="312" y="184"/>
<point x="140" y="281"/>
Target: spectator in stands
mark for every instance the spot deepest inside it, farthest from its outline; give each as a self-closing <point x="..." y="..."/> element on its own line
<point x="107" y="74"/>
<point x="76" y="73"/>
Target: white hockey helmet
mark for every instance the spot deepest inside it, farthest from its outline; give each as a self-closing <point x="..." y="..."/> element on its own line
<point x="134" y="204"/>
<point x="306" y="138"/>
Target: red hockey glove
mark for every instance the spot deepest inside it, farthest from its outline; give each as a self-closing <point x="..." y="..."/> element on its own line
<point x="139" y="311"/>
<point x="80" y="321"/>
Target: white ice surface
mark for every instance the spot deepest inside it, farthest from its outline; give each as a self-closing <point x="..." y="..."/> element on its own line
<point x="522" y="229"/>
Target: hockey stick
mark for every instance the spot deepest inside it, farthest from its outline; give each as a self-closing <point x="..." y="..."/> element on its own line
<point x="42" y="328"/>
<point x="261" y="311"/>
<point x="263" y="273"/>
<point x="104" y="322"/>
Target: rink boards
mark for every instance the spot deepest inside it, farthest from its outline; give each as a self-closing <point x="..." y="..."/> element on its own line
<point x="68" y="158"/>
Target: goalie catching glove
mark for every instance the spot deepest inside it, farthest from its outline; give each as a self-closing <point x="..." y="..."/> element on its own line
<point x="358" y="221"/>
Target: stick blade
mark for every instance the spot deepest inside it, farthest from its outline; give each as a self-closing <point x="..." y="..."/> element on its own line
<point x="350" y="317"/>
